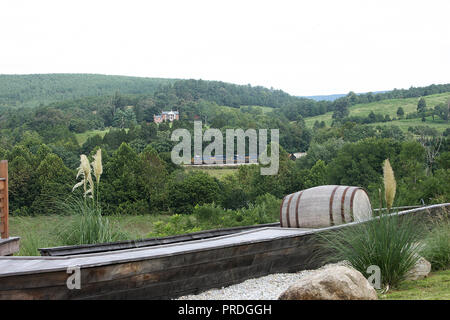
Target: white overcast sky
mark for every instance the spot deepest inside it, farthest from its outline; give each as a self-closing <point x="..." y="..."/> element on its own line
<point x="301" y="47"/>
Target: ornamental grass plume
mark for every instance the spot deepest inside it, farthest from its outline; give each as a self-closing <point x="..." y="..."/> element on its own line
<point x="97" y="165"/>
<point x="390" y="184"/>
<point x="84" y="170"/>
<point x="98" y="168"/>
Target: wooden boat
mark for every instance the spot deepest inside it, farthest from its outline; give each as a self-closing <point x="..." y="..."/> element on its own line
<point x="165" y="271"/>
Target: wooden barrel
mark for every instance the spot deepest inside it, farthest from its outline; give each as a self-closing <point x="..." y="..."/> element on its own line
<point x="325" y="206"/>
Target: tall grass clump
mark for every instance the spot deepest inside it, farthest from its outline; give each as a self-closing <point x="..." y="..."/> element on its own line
<point x="391" y="242"/>
<point x="437" y="245"/>
<point x="89" y="225"/>
<point x="30" y="244"/>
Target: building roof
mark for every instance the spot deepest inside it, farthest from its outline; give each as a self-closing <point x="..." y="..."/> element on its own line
<point x="170" y="112"/>
<point x="297" y="155"/>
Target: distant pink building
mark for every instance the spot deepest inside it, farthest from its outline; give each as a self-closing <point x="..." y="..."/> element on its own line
<point x="166" y="116"/>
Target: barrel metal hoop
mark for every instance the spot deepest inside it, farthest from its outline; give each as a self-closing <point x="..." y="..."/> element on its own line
<point x="331" y="205"/>
<point x="296" y="210"/>
<point x="281" y="211"/>
<point x="342" y="204"/>
<point x="287" y="210"/>
<point x="351" y="203"/>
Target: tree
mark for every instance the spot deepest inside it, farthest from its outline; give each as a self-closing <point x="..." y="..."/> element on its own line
<point x="154" y="176"/>
<point x="340" y="109"/>
<point x="317" y="176"/>
<point x="148" y="131"/>
<point x="186" y="191"/>
<point x="443" y="111"/>
<point x="91" y="143"/>
<point x="21" y="185"/>
<point x="124" y="119"/>
<point x="421" y="105"/>
<point x="400" y="112"/>
<point x="360" y="163"/>
<point x="122" y="179"/>
<point x="53" y="179"/>
<point x="411" y="161"/>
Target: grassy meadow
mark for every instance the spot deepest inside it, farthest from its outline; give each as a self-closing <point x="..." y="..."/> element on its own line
<point x="263" y="109"/>
<point x="216" y="172"/>
<point x="82" y="137"/>
<point x="43" y="231"/>
<point x="390" y="107"/>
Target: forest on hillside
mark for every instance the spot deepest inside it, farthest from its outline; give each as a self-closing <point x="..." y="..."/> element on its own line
<point x="38" y="89"/>
<point x="139" y="178"/>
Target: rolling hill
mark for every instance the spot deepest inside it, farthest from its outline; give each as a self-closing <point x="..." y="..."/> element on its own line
<point x="35" y="89"/>
<point x="390" y="107"/>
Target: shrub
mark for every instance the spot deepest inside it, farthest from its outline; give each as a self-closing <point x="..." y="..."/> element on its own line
<point x="187" y="190"/>
<point x="437" y="245"/>
<point x="208" y="213"/>
<point x="88" y="226"/>
<point x="139" y="207"/>
<point x="177" y="224"/>
<point x="388" y="241"/>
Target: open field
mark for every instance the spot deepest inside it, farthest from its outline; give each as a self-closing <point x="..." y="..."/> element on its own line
<point x="263" y="109"/>
<point x="82" y="137"/>
<point x="435" y="287"/>
<point x="42" y="231"/>
<point x="439" y="124"/>
<point x="390" y="107"/>
<point x="218" y="173"/>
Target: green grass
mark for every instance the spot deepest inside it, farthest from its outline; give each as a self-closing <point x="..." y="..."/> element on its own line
<point x="42" y="231"/>
<point x="218" y="173"/>
<point x="263" y="109"/>
<point x="390" y="107"/>
<point x="89" y="225"/>
<point x="437" y="249"/>
<point x="82" y="137"/>
<point x="435" y="287"/>
<point x="404" y="124"/>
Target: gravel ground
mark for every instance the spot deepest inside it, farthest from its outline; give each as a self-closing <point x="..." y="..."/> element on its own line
<point x="264" y="288"/>
<point x="269" y="287"/>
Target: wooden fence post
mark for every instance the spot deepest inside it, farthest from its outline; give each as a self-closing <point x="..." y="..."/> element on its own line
<point x="4" y="210"/>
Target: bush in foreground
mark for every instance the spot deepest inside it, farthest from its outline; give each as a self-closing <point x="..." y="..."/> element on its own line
<point x="88" y="225"/>
<point x="390" y="242"/>
<point x="437" y="245"/>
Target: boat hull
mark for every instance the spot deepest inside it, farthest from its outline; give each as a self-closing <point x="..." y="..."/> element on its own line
<point x="171" y="270"/>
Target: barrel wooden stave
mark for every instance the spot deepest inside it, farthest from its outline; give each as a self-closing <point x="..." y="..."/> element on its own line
<point x="325" y="206"/>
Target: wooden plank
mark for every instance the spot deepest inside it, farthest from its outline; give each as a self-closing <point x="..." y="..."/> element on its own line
<point x="123" y="245"/>
<point x="9" y="246"/>
<point x="5" y="209"/>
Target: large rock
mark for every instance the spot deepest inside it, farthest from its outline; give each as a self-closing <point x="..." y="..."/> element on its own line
<point x="420" y="270"/>
<point x="332" y="282"/>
